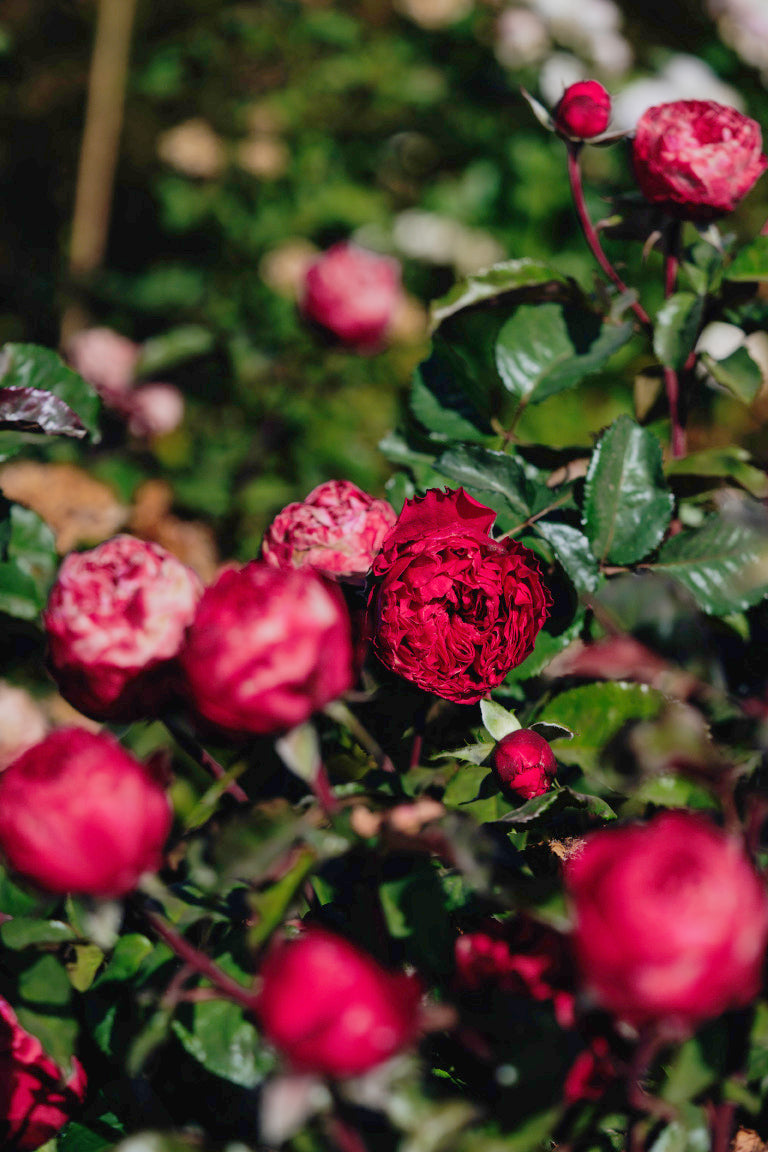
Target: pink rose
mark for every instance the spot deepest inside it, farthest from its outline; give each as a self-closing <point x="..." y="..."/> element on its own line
<point x="154" y="410"/>
<point x="671" y="921"/>
<point x="267" y="648"/>
<point x="116" y="619"/>
<point x="36" y="1100"/>
<point x="79" y="814"/>
<point x="583" y="111"/>
<point x="453" y="610"/>
<point x="337" y="529"/>
<point x="105" y="359"/>
<point x="525" y="763"/>
<point x="353" y="293"/>
<point x="695" y="158"/>
<point x="331" y="1009"/>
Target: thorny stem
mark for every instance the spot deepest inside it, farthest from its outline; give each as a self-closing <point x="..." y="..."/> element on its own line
<point x="198" y="962"/>
<point x="671" y="382"/>
<point x="189" y="744"/>
<point x="590" y="235"/>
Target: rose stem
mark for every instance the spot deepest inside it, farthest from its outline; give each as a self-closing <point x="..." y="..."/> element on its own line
<point x="187" y="742"/>
<point x="671" y="382"/>
<point x="321" y="786"/>
<point x="648" y="1048"/>
<point x="721" y="1125"/>
<point x="590" y="235"/>
<point x="345" y="1137"/>
<point x="198" y="961"/>
<point x="339" y="712"/>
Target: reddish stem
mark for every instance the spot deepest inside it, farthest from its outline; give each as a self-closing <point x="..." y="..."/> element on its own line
<point x="590" y="235"/>
<point x="321" y="787"/>
<point x="187" y="742"/>
<point x="198" y="961"/>
<point x="671" y="382"/>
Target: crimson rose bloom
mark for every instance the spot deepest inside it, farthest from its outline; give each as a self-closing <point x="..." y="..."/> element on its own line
<point x="671" y="921"/>
<point x="35" y="1099"/>
<point x="583" y="111"/>
<point x="337" y="530"/>
<point x="79" y="814"/>
<point x="115" y="620"/>
<point x="696" y="158"/>
<point x="525" y="763"/>
<point x="353" y="293"/>
<point x="452" y="609"/>
<point x="267" y="648"/>
<point x="331" y="1009"/>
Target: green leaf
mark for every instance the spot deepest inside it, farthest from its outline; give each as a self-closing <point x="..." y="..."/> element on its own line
<point x="467" y="791"/>
<point x="724" y="564"/>
<point x="572" y="550"/>
<point x="481" y="470"/>
<point x="24" y="932"/>
<point x="45" y="982"/>
<point x="677" y="328"/>
<point x="56" y="1032"/>
<point x="729" y="461"/>
<point x="29" y="366"/>
<point x="130" y="953"/>
<point x="690" y="1133"/>
<point x="627" y="505"/>
<point x="509" y="276"/>
<point x="497" y="720"/>
<point x="414" y="909"/>
<point x="174" y="347"/>
<point x="82" y="970"/>
<point x="751" y="263"/>
<point x="220" y="1038"/>
<point x="557" y="799"/>
<point x="544" y="349"/>
<point x="442" y="403"/>
<point x="595" y="713"/>
<point x="738" y="373"/>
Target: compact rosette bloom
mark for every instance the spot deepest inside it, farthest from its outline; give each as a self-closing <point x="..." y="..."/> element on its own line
<point x="267" y="648"/>
<point x="583" y="111"/>
<point x="452" y="609"/>
<point x="115" y="620"/>
<point x="331" y="1009"/>
<point x="36" y="1099"/>
<point x="353" y="293"/>
<point x="79" y="814"/>
<point x="525" y="763"/>
<point x="337" y="530"/>
<point x="671" y="921"/>
<point x="697" y="159"/>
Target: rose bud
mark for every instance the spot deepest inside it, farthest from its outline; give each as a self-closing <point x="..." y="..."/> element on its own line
<point x="337" y="530"/>
<point x="353" y="293"/>
<point x="583" y="111"/>
<point x="105" y="359"/>
<point x="116" y="619"/>
<point x="452" y="609"/>
<point x="36" y="1100"/>
<point x="525" y="763"/>
<point x="331" y="1009"/>
<point x="267" y="648"/>
<point x="696" y="159"/>
<point x="79" y="814"/>
<point x="671" y="921"/>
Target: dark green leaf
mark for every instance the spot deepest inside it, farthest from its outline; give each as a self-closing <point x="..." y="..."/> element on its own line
<point x="595" y="713"/>
<point x="29" y="366"/>
<point x="558" y="799"/>
<point x="724" y="564"/>
<point x="738" y="373"/>
<point x="677" y="328"/>
<point x="130" y="953"/>
<point x="414" y="909"/>
<point x="223" y="1041"/>
<point x="627" y="505"/>
<point x="466" y="792"/>
<point x="442" y="404"/>
<point x="572" y="549"/>
<point x="509" y="276"/>
<point x="481" y="470"/>
<point x="45" y="981"/>
<point x="751" y="263"/>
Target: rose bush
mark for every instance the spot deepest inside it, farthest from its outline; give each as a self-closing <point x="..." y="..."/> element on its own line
<point x="36" y="1098"/>
<point x="115" y="621"/>
<point x="696" y="158"/>
<point x="267" y="648"/>
<point x="583" y="111"/>
<point x="79" y="814"/>
<point x="671" y="921"/>
<point x="352" y="292"/>
<point x="337" y="530"/>
<point x="525" y="763"/>
<point x="330" y="1008"/>
<point x="453" y="610"/>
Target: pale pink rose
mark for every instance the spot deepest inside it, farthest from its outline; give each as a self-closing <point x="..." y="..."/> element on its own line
<point x="354" y="293"/>
<point x="155" y="410"/>
<point x="105" y="359"/>
<point x="337" y="529"/>
<point x="116" y="619"/>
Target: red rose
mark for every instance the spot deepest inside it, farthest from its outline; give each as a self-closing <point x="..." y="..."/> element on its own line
<point x="337" y="529"/>
<point x="696" y="158"/>
<point x="267" y="648"/>
<point x="671" y="921"/>
<point x="525" y="763"/>
<point x="330" y="1008"/>
<point x="116" y="619"/>
<point x="36" y="1101"/>
<point x="79" y="814"/>
<point x="454" y="610"/>
<point x="583" y="111"/>
<point x="352" y="292"/>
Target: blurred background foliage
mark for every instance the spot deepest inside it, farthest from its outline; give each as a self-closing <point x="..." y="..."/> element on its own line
<point x="258" y="132"/>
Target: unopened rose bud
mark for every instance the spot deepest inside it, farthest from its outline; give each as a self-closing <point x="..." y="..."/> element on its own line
<point x="583" y="112"/>
<point x="353" y="293"/>
<point x="79" y="814"/>
<point x="267" y="648"/>
<point x="337" y="530"/>
<point x="116" y="619"/>
<point x="36" y="1099"/>
<point x="331" y="1009"/>
<point x="525" y="763"/>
